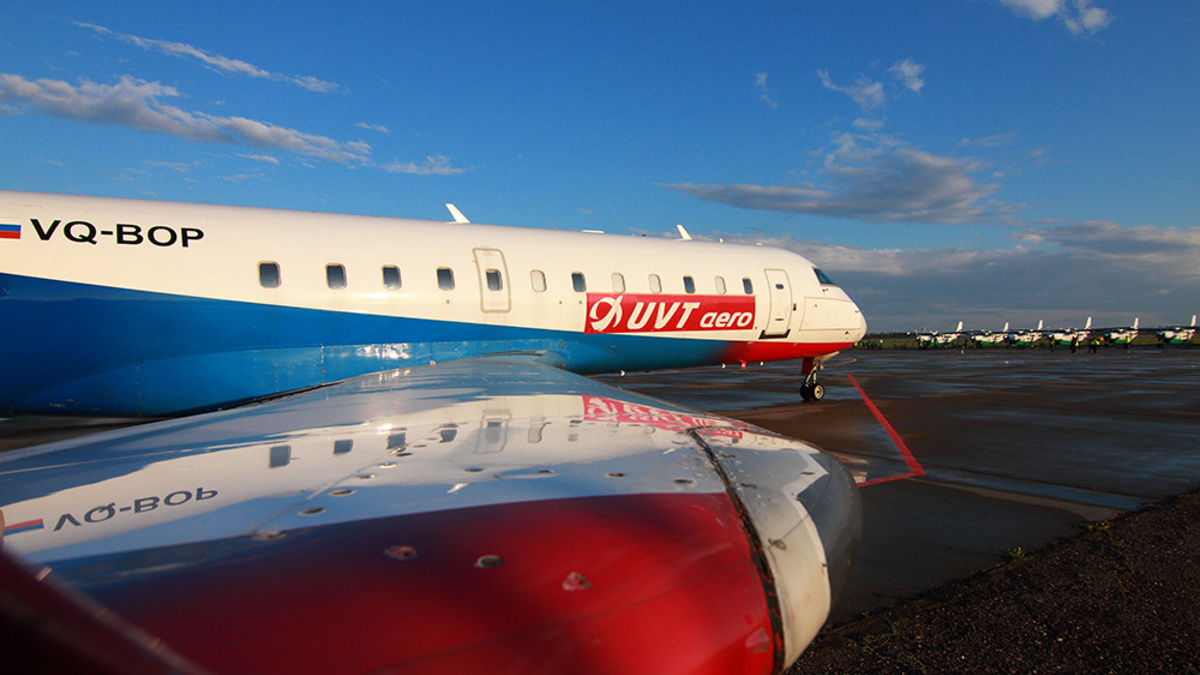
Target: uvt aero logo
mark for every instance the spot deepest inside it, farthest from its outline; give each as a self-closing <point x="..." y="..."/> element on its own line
<point x="608" y="313"/>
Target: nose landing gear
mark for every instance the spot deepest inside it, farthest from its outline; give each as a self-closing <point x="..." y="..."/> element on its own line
<point x="812" y="390"/>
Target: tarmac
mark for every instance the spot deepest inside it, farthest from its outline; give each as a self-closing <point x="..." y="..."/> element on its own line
<point x="1008" y="450"/>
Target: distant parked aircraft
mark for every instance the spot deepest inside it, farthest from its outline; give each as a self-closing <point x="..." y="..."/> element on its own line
<point x="990" y="338"/>
<point x="1178" y="335"/>
<point x="1027" y="337"/>
<point x="1123" y="336"/>
<point x="935" y="338"/>
<point x="1072" y="336"/>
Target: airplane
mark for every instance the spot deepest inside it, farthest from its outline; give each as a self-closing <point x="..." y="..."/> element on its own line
<point x="1071" y="336"/>
<point x="382" y="449"/>
<point x="1178" y="335"/>
<point x="934" y="338"/>
<point x="989" y="338"/>
<point x="1026" y="337"/>
<point x="1124" y="336"/>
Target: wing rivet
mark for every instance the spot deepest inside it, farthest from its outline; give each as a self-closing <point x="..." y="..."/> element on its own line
<point x="312" y="511"/>
<point x="576" y="582"/>
<point x="488" y="562"/>
<point x="615" y="474"/>
<point x="341" y="492"/>
<point x="402" y="552"/>
<point x="684" y="481"/>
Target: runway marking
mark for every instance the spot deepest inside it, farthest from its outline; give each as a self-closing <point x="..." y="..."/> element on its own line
<point x="912" y="463"/>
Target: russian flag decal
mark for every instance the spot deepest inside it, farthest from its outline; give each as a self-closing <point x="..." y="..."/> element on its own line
<point x="10" y="231"/>
<point x="26" y="526"/>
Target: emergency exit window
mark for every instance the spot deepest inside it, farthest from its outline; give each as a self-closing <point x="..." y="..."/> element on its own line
<point x="494" y="282"/>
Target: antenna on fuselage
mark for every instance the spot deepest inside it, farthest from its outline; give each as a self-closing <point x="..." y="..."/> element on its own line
<point x="458" y="216"/>
<point x="683" y="234"/>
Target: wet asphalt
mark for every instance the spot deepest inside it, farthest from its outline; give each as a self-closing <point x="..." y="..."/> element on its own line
<point x="1018" y="447"/>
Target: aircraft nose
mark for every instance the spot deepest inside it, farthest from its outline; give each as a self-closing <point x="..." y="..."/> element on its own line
<point x="862" y="324"/>
<point x="805" y="511"/>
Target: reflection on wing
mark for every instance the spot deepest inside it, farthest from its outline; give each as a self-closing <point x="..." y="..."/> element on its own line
<point x="485" y="513"/>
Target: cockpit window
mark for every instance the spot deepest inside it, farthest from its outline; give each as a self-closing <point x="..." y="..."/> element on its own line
<point x="821" y="277"/>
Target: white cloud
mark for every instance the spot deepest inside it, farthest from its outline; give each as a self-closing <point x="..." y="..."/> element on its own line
<point x="438" y="165"/>
<point x="1079" y="16"/>
<point x="217" y="62"/>
<point x="760" y="83"/>
<point x="136" y="104"/>
<point x="1059" y="274"/>
<point x="870" y="123"/>
<point x="909" y="74"/>
<point x="867" y="93"/>
<point x="261" y="158"/>
<point x="374" y="127"/>
<point x="875" y="180"/>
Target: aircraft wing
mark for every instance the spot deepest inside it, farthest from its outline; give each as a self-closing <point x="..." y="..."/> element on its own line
<point x="492" y="513"/>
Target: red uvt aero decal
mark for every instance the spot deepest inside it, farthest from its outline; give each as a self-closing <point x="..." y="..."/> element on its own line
<point x="634" y="313"/>
<point x="601" y="409"/>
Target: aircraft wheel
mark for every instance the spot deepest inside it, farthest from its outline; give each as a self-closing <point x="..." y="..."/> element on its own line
<point x="812" y="391"/>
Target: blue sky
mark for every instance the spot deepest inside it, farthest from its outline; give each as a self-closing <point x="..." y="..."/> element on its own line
<point x="975" y="160"/>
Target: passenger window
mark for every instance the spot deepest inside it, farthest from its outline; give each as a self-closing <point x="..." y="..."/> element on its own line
<point x="748" y="286"/>
<point x="618" y="282"/>
<point x="445" y="278"/>
<point x="578" y="282"/>
<point x="268" y="274"/>
<point x="391" y="277"/>
<point x="689" y="285"/>
<point x="655" y="284"/>
<point x="720" y="281"/>
<point x="335" y="276"/>
<point x="494" y="282"/>
<point x="538" y="279"/>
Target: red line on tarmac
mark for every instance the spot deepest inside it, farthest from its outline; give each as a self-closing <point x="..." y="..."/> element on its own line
<point x="905" y="453"/>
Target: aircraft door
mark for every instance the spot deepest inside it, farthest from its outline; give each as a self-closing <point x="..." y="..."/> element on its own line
<point x="779" y="316"/>
<point x="493" y="280"/>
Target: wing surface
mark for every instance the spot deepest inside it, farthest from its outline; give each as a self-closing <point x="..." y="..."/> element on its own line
<point x="487" y="513"/>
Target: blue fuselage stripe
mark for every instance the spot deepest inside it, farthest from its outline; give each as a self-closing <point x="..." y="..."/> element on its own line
<point x="113" y="351"/>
